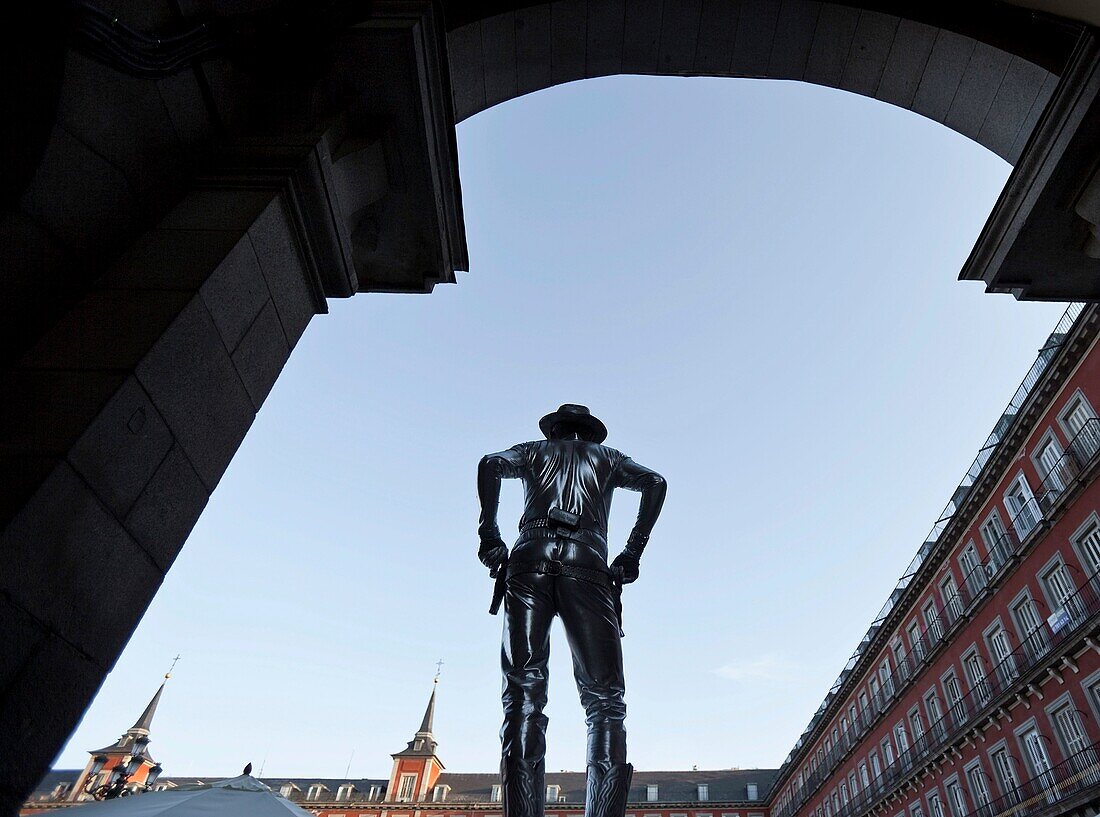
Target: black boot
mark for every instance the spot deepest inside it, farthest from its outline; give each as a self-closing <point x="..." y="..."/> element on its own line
<point x="521" y="788"/>
<point x="608" y="788"/>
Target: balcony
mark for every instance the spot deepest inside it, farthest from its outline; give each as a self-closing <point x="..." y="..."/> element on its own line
<point x="1003" y="552"/>
<point x="1076" y="778"/>
<point x="1079" y="610"/>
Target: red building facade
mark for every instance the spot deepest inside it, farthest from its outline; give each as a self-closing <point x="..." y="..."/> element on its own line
<point x="977" y="690"/>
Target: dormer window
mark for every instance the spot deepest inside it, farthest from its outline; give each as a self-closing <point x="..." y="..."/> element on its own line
<point x="702" y="792"/>
<point x="752" y="792"/>
<point x="418" y="744"/>
<point x="375" y="793"/>
<point x="315" y="791"/>
<point x="287" y="789"/>
<point x="344" y="792"/>
<point x="651" y="793"/>
<point x="494" y="795"/>
<point x="552" y="793"/>
<point x="439" y="793"/>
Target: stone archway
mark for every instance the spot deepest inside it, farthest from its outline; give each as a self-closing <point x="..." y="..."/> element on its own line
<point x="207" y="211"/>
<point x="990" y="93"/>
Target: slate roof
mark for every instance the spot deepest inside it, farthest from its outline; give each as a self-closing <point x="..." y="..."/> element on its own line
<point x="146" y="720"/>
<point x="53" y="777"/>
<point x="725" y="785"/>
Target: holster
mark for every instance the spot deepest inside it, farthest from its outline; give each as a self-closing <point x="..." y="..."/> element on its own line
<point x="499" y="587"/>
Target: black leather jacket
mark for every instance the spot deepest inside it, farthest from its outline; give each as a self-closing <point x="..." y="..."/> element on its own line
<point x="571" y="474"/>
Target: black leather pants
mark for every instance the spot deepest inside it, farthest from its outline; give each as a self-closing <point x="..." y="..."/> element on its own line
<point x="587" y="612"/>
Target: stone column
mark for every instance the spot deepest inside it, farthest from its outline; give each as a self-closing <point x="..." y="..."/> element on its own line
<point x="131" y="408"/>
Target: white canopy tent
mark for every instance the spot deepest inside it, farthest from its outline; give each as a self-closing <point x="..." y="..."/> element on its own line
<point x="242" y="796"/>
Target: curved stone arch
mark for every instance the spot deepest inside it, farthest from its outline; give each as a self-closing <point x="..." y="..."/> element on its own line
<point x="980" y="90"/>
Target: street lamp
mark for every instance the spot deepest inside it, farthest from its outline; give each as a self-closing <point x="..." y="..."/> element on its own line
<point x="97" y="766"/>
<point x="118" y="783"/>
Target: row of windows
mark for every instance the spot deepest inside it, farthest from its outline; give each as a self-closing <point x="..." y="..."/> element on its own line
<point x="945" y="707"/>
<point x="948" y="600"/>
<point x="1004" y="770"/>
<point x="652" y="794"/>
<point x="570" y="814"/>
<point x="317" y="791"/>
<point x="407" y="785"/>
<point x="977" y="786"/>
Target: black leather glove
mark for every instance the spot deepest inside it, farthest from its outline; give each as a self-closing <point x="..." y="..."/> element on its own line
<point x="493" y="554"/>
<point x="627" y="563"/>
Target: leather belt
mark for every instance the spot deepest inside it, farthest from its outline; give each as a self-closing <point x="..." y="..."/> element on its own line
<point x="552" y="567"/>
<point x="551" y="526"/>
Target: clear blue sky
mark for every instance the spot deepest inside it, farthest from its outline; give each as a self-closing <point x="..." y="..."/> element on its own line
<point x="753" y="283"/>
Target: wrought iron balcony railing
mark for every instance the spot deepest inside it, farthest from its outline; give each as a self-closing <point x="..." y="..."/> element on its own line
<point x="1082" y="449"/>
<point x="1079" y="609"/>
<point x="1075" y="775"/>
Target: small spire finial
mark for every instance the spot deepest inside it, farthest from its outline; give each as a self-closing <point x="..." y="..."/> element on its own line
<point x="438" y="669"/>
<point x="168" y="674"/>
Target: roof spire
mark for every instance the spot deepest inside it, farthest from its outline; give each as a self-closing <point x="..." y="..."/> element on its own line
<point x="429" y="713"/>
<point x="146" y="720"/>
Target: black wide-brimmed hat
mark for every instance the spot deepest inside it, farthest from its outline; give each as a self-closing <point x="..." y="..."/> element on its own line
<point x="588" y="426"/>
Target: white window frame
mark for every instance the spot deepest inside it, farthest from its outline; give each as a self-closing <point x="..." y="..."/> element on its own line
<point x="1050" y="475"/>
<point x="1088" y="554"/>
<point x="916" y="647"/>
<point x="1005" y="774"/>
<point x="933" y="622"/>
<point x="977" y="678"/>
<point x="402" y="795"/>
<point x="1075" y="400"/>
<point x="935" y="803"/>
<point x="934" y="711"/>
<point x="953" y="696"/>
<point x="916" y="723"/>
<point x="1060" y="591"/>
<point x="999" y="647"/>
<point x="949" y="594"/>
<point x="955" y="795"/>
<point x="886" y="746"/>
<point x="652" y="793"/>
<point x="1029" y="503"/>
<point x="1063" y="713"/>
<point x="1037" y="637"/>
<point x="982" y="794"/>
<point x="993" y="533"/>
<point x="702" y="793"/>
<point x="970" y="563"/>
